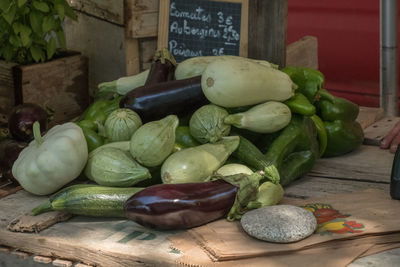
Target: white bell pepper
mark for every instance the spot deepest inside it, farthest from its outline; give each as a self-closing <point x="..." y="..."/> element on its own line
<point x="51" y="161"/>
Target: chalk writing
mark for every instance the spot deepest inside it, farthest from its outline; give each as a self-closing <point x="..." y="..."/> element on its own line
<point x="201" y="28"/>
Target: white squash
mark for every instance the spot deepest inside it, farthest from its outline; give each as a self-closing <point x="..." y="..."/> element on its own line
<point x="267" y="117"/>
<point x="196" y="65"/>
<point x="51" y="161"/>
<point x="236" y="83"/>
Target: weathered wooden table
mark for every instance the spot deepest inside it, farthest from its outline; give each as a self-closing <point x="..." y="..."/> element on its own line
<point x="116" y="242"/>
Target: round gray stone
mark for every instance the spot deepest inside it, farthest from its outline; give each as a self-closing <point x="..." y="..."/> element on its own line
<point x="279" y="223"/>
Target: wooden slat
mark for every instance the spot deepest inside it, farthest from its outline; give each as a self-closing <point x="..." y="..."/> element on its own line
<point x="132" y="52"/>
<point x="6" y="87"/>
<point x="368" y="163"/>
<point x="109" y="10"/>
<point x="374" y="133"/>
<point x="368" y="116"/>
<point x="141" y="18"/>
<point x="309" y="186"/>
<point x="60" y="84"/>
<point x="267" y="30"/>
<point x="303" y="53"/>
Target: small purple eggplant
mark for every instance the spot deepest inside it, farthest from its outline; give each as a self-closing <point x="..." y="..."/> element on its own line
<point x="21" y="119"/>
<point x="181" y="206"/>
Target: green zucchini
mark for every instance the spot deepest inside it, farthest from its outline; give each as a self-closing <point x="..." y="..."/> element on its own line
<point x="250" y="155"/>
<point x="89" y="200"/>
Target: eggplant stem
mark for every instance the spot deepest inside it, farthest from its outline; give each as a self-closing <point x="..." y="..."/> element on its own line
<point x="36" y="133"/>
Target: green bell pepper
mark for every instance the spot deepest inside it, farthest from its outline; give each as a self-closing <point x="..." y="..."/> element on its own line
<point x="93" y="140"/>
<point x="309" y="81"/>
<point x="333" y="108"/>
<point x="343" y="137"/>
<point x="300" y="104"/>
<point x="296" y="165"/>
<point x="100" y="109"/>
<point x="322" y="134"/>
<point x="299" y="135"/>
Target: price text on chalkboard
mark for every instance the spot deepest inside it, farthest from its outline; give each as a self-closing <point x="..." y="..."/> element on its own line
<point x="203" y="28"/>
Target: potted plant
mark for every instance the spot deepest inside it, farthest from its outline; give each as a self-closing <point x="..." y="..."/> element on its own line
<point x="34" y="63"/>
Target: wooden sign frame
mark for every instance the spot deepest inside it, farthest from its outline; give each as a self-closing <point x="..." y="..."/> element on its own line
<point x="163" y="24"/>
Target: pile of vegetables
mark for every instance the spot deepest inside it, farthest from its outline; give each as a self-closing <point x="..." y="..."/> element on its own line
<point x="181" y="145"/>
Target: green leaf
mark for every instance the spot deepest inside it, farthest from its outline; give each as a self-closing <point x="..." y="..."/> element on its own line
<point x="8" y="53"/>
<point x="60" y="11"/>
<point x="4" y="4"/>
<point x="37" y="53"/>
<point x="69" y="12"/>
<point x="15" y="41"/>
<point x="36" y="20"/>
<point x="21" y="3"/>
<point x="49" y="23"/>
<point x="41" y="6"/>
<point x="9" y="16"/>
<point x="61" y="39"/>
<point x="51" y="48"/>
<point x="17" y="27"/>
<point x="25" y="35"/>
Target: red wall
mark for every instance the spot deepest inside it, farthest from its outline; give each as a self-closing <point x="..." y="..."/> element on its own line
<point x="348" y="44"/>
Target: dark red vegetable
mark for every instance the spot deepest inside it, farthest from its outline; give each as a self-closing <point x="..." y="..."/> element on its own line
<point x="21" y="120"/>
<point x="181" y="206"/>
<point x="154" y="102"/>
<point x="9" y="152"/>
<point x="163" y="67"/>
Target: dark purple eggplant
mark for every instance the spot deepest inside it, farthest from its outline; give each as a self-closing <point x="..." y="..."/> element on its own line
<point x="21" y="119"/>
<point x="162" y="68"/>
<point x="9" y="152"/>
<point x="180" y="206"/>
<point x="154" y="102"/>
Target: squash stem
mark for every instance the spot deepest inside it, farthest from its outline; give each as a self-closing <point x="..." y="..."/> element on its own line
<point x="44" y="207"/>
<point x="234" y="119"/>
<point x="36" y="133"/>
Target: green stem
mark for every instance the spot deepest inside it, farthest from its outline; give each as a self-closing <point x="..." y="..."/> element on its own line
<point x="36" y="133"/>
<point x="235" y="120"/>
<point x="44" y="207"/>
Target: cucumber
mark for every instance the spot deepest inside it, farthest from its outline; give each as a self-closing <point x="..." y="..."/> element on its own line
<point x="250" y="155"/>
<point x="235" y="83"/>
<point x="89" y="200"/>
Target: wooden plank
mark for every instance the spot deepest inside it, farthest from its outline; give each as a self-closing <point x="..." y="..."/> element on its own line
<point x="109" y="10"/>
<point x="148" y="47"/>
<point x="303" y="53"/>
<point x="60" y="84"/>
<point x="368" y="116"/>
<point x="141" y="18"/>
<point x="267" y="30"/>
<point x="103" y="43"/>
<point x="310" y="186"/>
<point x="7" y="100"/>
<point x="368" y="163"/>
<point x="132" y="56"/>
<point x="378" y="130"/>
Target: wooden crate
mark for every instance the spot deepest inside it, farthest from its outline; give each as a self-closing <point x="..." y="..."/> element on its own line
<point x="60" y="84"/>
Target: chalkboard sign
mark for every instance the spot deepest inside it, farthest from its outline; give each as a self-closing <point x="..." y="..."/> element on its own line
<point x="203" y="28"/>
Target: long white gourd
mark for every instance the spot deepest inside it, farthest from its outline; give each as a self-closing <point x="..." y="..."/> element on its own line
<point x="236" y="83"/>
<point x="196" y="65"/>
